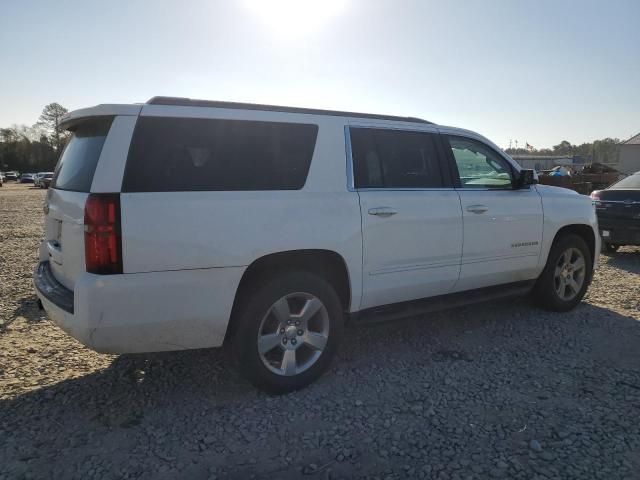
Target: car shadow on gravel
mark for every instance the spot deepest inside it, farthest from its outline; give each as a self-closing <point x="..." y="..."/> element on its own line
<point x="28" y="309"/>
<point x="480" y="382"/>
<point x="628" y="259"/>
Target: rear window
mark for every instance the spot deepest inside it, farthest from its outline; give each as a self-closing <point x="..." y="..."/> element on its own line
<point x="631" y="182"/>
<point x="188" y="154"/>
<point x="78" y="162"/>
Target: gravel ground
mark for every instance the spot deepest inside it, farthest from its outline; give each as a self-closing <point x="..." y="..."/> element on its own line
<point x="491" y="391"/>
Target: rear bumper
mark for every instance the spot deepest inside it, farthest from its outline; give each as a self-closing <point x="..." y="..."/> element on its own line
<point x="143" y="312"/>
<point x="620" y="232"/>
<point x="50" y="289"/>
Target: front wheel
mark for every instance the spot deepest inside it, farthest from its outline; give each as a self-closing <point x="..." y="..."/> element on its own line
<point x="288" y="331"/>
<point x="566" y="276"/>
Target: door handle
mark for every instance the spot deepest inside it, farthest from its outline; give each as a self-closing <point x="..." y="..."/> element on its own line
<point x="477" y="208"/>
<point x="382" y="211"/>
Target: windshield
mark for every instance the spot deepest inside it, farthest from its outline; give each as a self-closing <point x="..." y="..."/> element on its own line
<point x="631" y="182"/>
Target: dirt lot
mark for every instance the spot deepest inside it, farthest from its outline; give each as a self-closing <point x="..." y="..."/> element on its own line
<point x="501" y="390"/>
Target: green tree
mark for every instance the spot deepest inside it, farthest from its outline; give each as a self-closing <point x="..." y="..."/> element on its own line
<point x="600" y="151"/>
<point x="22" y="150"/>
<point x="563" y="148"/>
<point x="606" y="150"/>
<point x="50" y="120"/>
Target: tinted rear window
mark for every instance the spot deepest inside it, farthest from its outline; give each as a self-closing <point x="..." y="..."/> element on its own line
<point x="630" y="182"/>
<point x="389" y="158"/>
<point x="188" y="154"/>
<point x="78" y="161"/>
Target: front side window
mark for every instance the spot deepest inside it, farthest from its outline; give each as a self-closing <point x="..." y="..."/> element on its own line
<point x="192" y="154"/>
<point x="478" y="165"/>
<point x="386" y="158"/>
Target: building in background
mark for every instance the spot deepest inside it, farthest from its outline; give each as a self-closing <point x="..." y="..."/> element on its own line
<point x="630" y="156"/>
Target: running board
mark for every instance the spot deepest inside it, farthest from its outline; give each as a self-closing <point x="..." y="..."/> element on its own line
<point x="413" y="308"/>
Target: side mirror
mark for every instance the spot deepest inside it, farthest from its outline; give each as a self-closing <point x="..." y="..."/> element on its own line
<point x="526" y="178"/>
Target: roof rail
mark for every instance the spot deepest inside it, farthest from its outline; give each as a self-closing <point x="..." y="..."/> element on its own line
<point x="190" y="102"/>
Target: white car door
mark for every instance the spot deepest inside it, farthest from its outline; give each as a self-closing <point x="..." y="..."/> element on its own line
<point x="502" y="225"/>
<point x="411" y="215"/>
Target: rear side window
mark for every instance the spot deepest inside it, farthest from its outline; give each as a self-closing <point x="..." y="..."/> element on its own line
<point x="188" y="154"/>
<point x="78" y="161"/>
<point x="385" y="158"/>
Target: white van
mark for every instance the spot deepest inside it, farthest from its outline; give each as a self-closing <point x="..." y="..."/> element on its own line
<point x="182" y="224"/>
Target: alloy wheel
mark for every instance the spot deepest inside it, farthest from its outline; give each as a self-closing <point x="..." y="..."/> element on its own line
<point x="569" y="275"/>
<point x="293" y="334"/>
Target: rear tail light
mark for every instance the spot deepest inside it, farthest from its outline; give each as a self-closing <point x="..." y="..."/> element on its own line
<point x="102" y="234"/>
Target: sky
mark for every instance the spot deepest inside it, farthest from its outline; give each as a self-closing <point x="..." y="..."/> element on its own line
<point x="537" y="72"/>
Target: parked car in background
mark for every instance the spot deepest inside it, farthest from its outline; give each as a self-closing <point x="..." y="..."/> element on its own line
<point x="618" y="210"/>
<point x="45" y="181"/>
<point x="12" y="176"/>
<point x="27" y="178"/>
<point x="38" y="179"/>
<point x="265" y="228"/>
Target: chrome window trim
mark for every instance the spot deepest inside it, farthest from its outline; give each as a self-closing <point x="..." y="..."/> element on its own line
<point x="623" y="202"/>
<point x="364" y="190"/>
<point x="349" y="152"/>
<point x="462" y="189"/>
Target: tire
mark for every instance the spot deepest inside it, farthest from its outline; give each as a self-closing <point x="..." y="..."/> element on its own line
<point x="547" y="290"/>
<point x="611" y="248"/>
<point x="264" y="313"/>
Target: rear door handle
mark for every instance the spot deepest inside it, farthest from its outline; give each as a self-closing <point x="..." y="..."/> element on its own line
<point x="382" y="211"/>
<point x="477" y="208"/>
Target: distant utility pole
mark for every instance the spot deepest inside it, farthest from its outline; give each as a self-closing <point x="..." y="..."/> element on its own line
<point x="516" y="144"/>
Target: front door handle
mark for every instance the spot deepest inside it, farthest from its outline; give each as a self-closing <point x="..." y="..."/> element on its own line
<point x="477" y="209"/>
<point x="382" y="211"/>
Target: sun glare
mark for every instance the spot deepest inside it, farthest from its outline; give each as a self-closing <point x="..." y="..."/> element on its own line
<point x="295" y="17"/>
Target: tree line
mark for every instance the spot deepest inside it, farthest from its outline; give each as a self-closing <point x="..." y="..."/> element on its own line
<point x="34" y="148"/>
<point x="600" y="151"/>
<point x="37" y="148"/>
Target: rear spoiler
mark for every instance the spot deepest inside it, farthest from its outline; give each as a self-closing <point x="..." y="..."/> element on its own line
<point x="71" y="119"/>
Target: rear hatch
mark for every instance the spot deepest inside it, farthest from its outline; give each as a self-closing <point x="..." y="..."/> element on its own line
<point x="65" y="202"/>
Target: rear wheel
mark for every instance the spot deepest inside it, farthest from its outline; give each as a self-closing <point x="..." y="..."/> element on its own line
<point x="566" y="276"/>
<point x="288" y="331"/>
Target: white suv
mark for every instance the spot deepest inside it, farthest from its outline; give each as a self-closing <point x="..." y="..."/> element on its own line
<point x="183" y="224"/>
